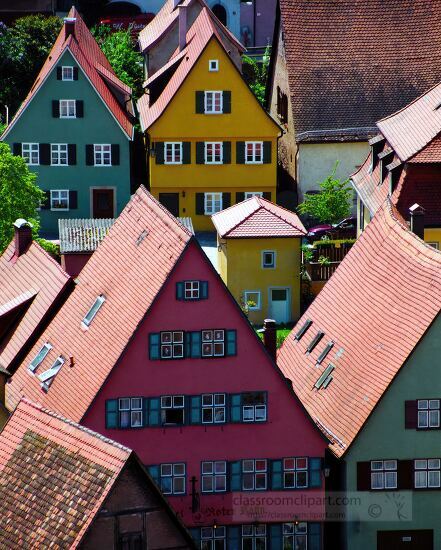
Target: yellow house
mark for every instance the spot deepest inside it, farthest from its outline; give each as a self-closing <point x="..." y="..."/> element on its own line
<point x="259" y="258"/>
<point x="210" y="143"/>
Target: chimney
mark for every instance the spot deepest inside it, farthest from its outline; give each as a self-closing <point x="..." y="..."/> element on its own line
<point x="417" y="220"/>
<point x="270" y="337"/>
<point x="69" y="26"/>
<point x="22" y="236"/>
<point x="182" y="27"/>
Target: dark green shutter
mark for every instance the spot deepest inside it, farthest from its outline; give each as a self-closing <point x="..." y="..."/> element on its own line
<point x="236" y="475"/>
<point x="276" y="537"/>
<point x="267" y="196"/>
<point x="226" y="102"/>
<point x="186" y="152"/>
<point x="154" y="472"/>
<point x="55" y="108"/>
<point x="196" y="344"/>
<point x="240" y="152"/>
<point x="233" y="535"/>
<point x="179" y="291"/>
<point x="267" y="152"/>
<point x="16" y="149"/>
<point x="59" y="73"/>
<point x="226" y="152"/>
<point x="200" y="103"/>
<point x="112" y="413"/>
<point x="203" y="285"/>
<point x="45" y="154"/>
<point x="145" y="411"/>
<point x="154" y="345"/>
<point x="159" y="152"/>
<point x="46" y="202"/>
<point x="154" y="411"/>
<point x="231" y="347"/>
<point x="236" y="407"/>
<point x="73" y="200"/>
<point x="240" y="197"/>
<point x="195" y="533"/>
<point x="114" y="149"/>
<point x="315" y="472"/>
<point x="226" y="200"/>
<point x="195" y="409"/>
<point x="75" y="73"/>
<point x="79" y="108"/>
<point x="71" y="154"/>
<point x="89" y="155"/>
<point x="200" y="203"/>
<point x="314" y="536"/>
<point x="276" y="475"/>
<point x="200" y="152"/>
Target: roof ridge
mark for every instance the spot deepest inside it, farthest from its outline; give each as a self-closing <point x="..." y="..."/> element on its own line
<point x="52" y="259"/>
<point x="276" y="214"/>
<point x="240" y="222"/>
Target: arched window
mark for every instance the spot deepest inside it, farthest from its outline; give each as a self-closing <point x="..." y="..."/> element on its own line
<point x="221" y="13"/>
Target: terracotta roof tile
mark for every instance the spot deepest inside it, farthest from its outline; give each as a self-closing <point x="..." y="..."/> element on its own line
<point x="375" y="308"/>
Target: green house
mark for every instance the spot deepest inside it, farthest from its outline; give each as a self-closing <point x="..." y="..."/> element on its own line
<point x="75" y="130"/>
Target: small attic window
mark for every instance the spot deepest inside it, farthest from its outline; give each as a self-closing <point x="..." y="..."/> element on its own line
<point x="39" y="358"/>
<point x="315" y="341"/>
<point x="47" y="377"/>
<point x="325" y="352"/>
<point x="325" y="377"/>
<point x="90" y="315"/>
<point x="303" y="329"/>
<point x="213" y="65"/>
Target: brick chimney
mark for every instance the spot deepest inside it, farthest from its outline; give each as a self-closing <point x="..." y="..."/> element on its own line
<point x="417" y="220"/>
<point x="270" y="337"/>
<point x="182" y="27"/>
<point x="69" y="26"/>
<point x="22" y="236"/>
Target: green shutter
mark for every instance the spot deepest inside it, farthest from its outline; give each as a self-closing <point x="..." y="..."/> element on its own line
<point x="186" y="152"/>
<point x="200" y="103"/>
<point x="267" y="195"/>
<point x="236" y="407"/>
<point x="195" y="409"/>
<point x="145" y="411"/>
<point x="112" y="413"/>
<point x="267" y="152"/>
<point x="226" y="101"/>
<point x="315" y="472"/>
<point x="314" y="536"/>
<point x="236" y="475"/>
<point x="233" y="538"/>
<point x="200" y="152"/>
<point x="226" y="200"/>
<point x="159" y="152"/>
<point x="240" y="197"/>
<point x="196" y="344"/>
<point x="154" y="411"/>
<point x="276" y="537"/>
<point x="195" y="533"/>
<point x="276" y="475"/>
<point x="200" y="204"/>
<point x="231" y="347"/>
<point x="154" y="351"/>
<point x="203" y="285"/>
<point x="240" y="152"/>
<point x="226" y="152"/>
<point x="179" y="291"/>
<point x="154" y="472"/>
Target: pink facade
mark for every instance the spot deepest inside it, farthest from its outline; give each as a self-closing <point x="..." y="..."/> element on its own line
<point x="74" y="263"/>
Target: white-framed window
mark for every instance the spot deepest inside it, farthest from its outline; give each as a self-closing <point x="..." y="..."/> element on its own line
<point x="254" y="474"/>
<point x="130" y="412"/>
<point x="102" y="154"/>
<point x="173" y="152"/>
<point x="383" y="474"/>
<point x="59" y="154"/>
<point x="214" y="476"/>
<point x="191" y="290"/>
<point x="67" y="73"/>
<point x="40" y="357"/>
<point x="254" y="407"/>
<point x="31" y="153"/>
<point x="213" y="65"/>
<point x="252" y="300"/>
<point x="213" y="102"/>
<point x="213" y="408"/>
<point x="213" y="538"/>
<point x="47" y="377"/>
<point x="428" y="413"/>
<point x="68" y="108"/>
<point x="295" y="473"/>
<point x="172" y="344"/>
<point x="173" y="478"/>
<point x="268" y="259"/>
<point x="253" y="152"/>
<point x="427" y="473"/>
<point x="172" y="410"/>
<point x="250" y="194"/>
<point x="253" y="537"/>
<point x="295" y="536"/>
<point x="212" y="203"/>
<point x="214" y="153"/>
<point x="213" y="343"/>
<point x="59" y="199"/>
<point x="434" y="244"/>
<point x="90" y="315"/>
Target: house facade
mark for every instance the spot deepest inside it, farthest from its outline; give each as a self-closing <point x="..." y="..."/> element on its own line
<point x="75" y="129"/>
<point x="259" y="258"/>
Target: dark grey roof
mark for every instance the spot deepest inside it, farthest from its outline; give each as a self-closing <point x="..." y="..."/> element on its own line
<point x="82" y="235"/>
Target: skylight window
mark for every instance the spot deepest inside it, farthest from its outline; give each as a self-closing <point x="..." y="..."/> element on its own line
<point x="303" y="329"/>
<point x="90" y="315"/>
<point x="325" y="352"/>
<point x="39" y="358"/>
<point x="325" y="378"/>
<point x="47" y="377"/>
<point x="315" y="341"/>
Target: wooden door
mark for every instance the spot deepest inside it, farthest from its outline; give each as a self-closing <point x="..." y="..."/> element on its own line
<point x="171" y="202"/>
<point x="103" y="203"/>
<point x="421" y="539"/>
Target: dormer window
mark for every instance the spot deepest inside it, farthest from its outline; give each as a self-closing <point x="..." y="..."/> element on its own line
<point x="213" y="65"/>
<point x="47" y="377"/>
<point x="315" y="341"/>
<point x="90" y="315"/>
<point x="303" y="329"/>
<point x="325" y="352"/>
<point x="39" y="358"/>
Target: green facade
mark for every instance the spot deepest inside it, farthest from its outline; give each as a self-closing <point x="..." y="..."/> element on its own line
<point x="98" y="126"/>
<point x="385" y="437"/>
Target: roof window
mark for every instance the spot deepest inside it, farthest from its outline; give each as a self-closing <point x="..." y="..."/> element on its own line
<point x="90" y="315"/>
<point x="303" y="329"/>
<point x="315" y="341"/>
<point x="47" y="377"/>
<point x="325" y="378"/>
<point x="325" y="352"/>
<point x="39" y="358"/>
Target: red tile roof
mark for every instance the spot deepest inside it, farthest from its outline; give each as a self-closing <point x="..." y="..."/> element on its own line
<point x="35" y="282"/>
<point x="143" y="244"/>
<point x="257" y="218"/>
<point x="375" y="308"/>
<point x="95" y="65"/>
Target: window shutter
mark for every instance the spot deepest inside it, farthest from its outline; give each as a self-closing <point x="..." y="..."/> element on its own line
<point x="179" y="291"/>
<point x="115" y="154"/>
<point x="195" y="409"/>
<point x="226" y="101"/>
<point x="233" y="535"/>
<point x="145" y="411"/>
<point x="363" y="476"/>
<point x="73" y="200"/>
<point x="154" y="412"/>
<point x="79" y="108"/>
<point x="240" y="197"/>
<point x="314" y="536"/>
<point x="72" y="154"/>
<point x="267" y="196"/>
<point x="236" y="476"/>
<point x="45" y="154"/>
<point x="112" y="413"/>
<point x="46" y="202"/>
<point x="411" y="414"/>
<point x="186" y="152"/>
<point x="200" y="203"/>
<point x="89" y="155"/>
<point x="405" y="474"/>
<point x="276" y="537"/>
<point x="195" y="344"/>
<point x="159" y="152"/>
<point x="315" y="472"/>
<point x="267" y="152"/>
<point x="59" y="73"/>
<point x="203" y="285"/>
<point x="226" y="200"/>
<point x="236" y="407"/>
<point x="154" y="339"/>
<point x="154" y="472"/>
<point x="56" y="108"/>
<point x="240" y="152"/>
<point x="276" y="475"/>
<point x="200" y="152"/>
<point x="16" y="149"/>
<point x="231" y="347"/>
<point x="200" y="103"/>
<point x="75" y="73"/>
<point x="226" y="150"/>
<point x="195" y="533"/>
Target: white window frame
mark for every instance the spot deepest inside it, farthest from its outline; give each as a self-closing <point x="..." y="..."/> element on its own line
<point x="251" y="194"/>
<point x="32" y="149"/>
<point x="173" y="145"/>
<point x="47" y="377"/>
<point x="129" y="405"/>
<point x="253" y="532"/>
<point x="254" y="412"/>
<point x="213" y="145"/>
<point x="296" y="471"/>
<point x="273" y="252"/>
<point x="422" y="470"/>
<point x="99" y="152"/>
<point x="213" y="403"/>
<point x="56" y="149"/>
<point x="429" y="411"/>
<point x="172" y="467"/>
<point x="67" y="103"/>
<point x="293" y="533"/>
<point x="69" y="69"/>
<point x="249" y="466"/>
<point x="258" y="305"/>
<point x="254" y="152"/>
<point x="213" y="538"/>
<point x="175" y="340"/>
<point x="172" y="402"/>
<point x="213" y="198"/>
<point x="213" y="470"/>
<point x="433" y="244"/>
<point x="192" y="290"/>
<point x="96" y="306"/>
<point x="215" y="338"/>
<point x="53" y="198"/>
<point x="383" y="472"/>
<point x="212" y="94"/>
<point x="213" y="65"/>
<point x="40" y="357"/>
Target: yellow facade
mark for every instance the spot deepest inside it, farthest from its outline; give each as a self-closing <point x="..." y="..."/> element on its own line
<point x="240" y="266"/>
<point x="180" y="123"/>
<point x="432" y="235"/>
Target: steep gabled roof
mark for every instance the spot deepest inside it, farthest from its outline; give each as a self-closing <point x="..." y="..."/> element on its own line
<point x="375" y="309"/>
<point x="128" y="269"/>
<point x="93" y="63"/>
<point x="257" y="218"/>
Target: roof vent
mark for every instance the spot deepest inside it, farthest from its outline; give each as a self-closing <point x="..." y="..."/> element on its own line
<point x="69" y="26"/>
<point x="325" y="378"/>
<point x="141" y="237"/>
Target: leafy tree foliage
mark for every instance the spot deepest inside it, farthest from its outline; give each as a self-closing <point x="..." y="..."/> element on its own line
<point x="259" y="74"/>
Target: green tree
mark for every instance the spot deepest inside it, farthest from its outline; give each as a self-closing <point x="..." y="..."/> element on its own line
<point x="259" y="74"/>
<point x="332" y="204"/>
<point x="19" y="195"/>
